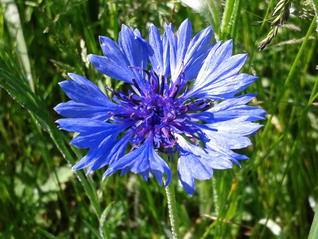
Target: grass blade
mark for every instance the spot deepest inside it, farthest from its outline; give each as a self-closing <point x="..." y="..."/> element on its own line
<point x="13" y="19"/>
<point x="313" y="234"/>
<point x="12" y="81"/>
<point x="45" y="233"/>
<point x="103" y="231"/>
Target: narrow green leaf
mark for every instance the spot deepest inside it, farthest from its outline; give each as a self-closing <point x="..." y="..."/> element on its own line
<point x="13" y="82"/>
<point x="103" y="229"/>
<point x="93" y="229"/>
<point x="226" y="19"/>
<point x="313" y="234"/>
<point x="45" y="233"/>
<point x="11" y="79"/>
<point x="235" y="25"/>
<point x="12" y="18"/>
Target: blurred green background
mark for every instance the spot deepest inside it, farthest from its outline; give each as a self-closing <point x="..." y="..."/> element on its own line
<point x="273" y="195"/>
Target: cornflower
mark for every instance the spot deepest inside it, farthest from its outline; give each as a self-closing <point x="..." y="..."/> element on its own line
<point x="161" y="113"/>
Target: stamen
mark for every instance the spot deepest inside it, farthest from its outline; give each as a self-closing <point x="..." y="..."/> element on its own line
<point x="162" y="85"/>
<point x="208" y="105"/>
<point x="182" y="72"/>
<point x="174" y="92"/>
<point x="137" y="86"/>
<point x="151" y="107"/>
<point x="172" y="116"/>
<point x="133" y="116"/>
<point x="184" y="109"/>
<point x="114" y="92"/>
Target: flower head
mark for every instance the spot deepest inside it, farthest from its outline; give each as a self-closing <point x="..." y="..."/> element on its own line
<point x="160" y="113"/>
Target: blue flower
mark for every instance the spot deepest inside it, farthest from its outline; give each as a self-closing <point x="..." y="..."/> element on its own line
<point x="203" y="124"/>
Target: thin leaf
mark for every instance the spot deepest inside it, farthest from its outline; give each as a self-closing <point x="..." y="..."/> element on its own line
<point x="12" y="81"/>
<point x="45" y="233"/>
<point x="313" y="234"/>
<point x="93" y="229"/>
<point x="12" y="18"/>
<point x="103" y="229"/>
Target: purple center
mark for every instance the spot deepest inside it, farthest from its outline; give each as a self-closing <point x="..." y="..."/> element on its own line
<point x="157" y="108"/>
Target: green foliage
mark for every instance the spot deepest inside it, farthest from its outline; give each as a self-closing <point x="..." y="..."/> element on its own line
<point x="273" y="195"/>
<point x="314" y="227"/>
<point x="280" y="15"/>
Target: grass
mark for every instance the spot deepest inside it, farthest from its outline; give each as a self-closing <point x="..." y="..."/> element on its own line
<point x="273" y="195"/>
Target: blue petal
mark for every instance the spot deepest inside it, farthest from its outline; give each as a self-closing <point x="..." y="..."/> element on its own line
<point x="106" y="150"/>
<point x="101" y="139"/>
<point x="83" y="163"/>
<point x="227" y="69"/>
<point x="166" y="54"/>
<point x="224" y="72"/>
<point x="127" y="43"/>
<point x="236" y="108"/>
<point x="184" y="36"/>
<point x="198" y="44"/>
<point x="112" y="51"/>
<point x="189" y="167"/>
<point x="195" y="162"/>
<point x="159" y="60"/>
<point x="184" y="173"/>
<point x="140" y="161"/>
<point x="236" y="126"/>
<point x="82" y="125"/>
<point x="231" y="133"/>
<point x="185" y="49"/>
<point x="140" y="51"/>
<point x="214" y="146"/>
<point x="84" y="91"/>
<point x="111" y="68"/>
<point x="111" y="155"/>
<point x="217" y="55"/>
<point x="92" y="155"/>
<point x="207" y="156"/>
<point x="192" y="68"/>
<point x="91" y="140"/>
<point x="230" y="109"/>
<point x="88" y="126"/>
<point x="87" y="101"/>
<point x="144" y="49"/>
<point x="169" y="35"/>
<point x="155" y="42"/>
<point x="133" y="50"/>
<point x="197" y="52"/>
<point x="224" y="89"/>
<point x="74" y="109"/>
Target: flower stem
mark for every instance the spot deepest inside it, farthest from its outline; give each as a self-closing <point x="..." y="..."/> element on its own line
<point x="172" y="206"/>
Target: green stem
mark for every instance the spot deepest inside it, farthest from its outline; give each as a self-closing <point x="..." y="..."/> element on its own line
<point x="172" y="206"/>
<point x="228" y="11"/>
